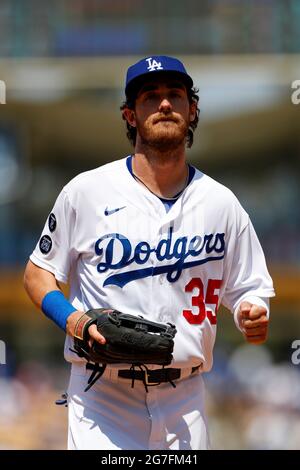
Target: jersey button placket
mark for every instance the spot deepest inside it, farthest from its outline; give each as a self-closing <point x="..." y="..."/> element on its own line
<point x="161" y="283"/>
<point x="156" y="285"/>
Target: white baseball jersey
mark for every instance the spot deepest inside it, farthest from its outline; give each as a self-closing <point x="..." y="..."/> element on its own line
<point x="113" y="240"/>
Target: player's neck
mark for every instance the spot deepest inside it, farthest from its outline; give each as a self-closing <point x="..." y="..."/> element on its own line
<point x="162" y="175"/>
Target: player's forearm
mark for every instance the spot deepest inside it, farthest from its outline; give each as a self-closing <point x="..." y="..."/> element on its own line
<point x="44" y="291"/>
<point x="38" y="282"/>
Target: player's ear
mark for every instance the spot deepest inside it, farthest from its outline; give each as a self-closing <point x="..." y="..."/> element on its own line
<point x="193" y="111"/>
<point x="129" y="115"/>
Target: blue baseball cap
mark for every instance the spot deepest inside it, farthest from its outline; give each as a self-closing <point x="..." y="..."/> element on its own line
<point x="138" y="73"/>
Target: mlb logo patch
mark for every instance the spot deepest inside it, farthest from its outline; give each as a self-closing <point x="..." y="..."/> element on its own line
<point x="45" y="244"/>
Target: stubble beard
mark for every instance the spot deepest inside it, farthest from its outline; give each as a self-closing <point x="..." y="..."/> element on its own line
<point x="164" y="137"/>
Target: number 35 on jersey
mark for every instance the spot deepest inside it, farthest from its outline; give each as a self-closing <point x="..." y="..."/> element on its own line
<point x="201" y="299"/>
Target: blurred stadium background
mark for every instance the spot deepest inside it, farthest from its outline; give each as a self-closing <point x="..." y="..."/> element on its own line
<point x="63" y="63"/>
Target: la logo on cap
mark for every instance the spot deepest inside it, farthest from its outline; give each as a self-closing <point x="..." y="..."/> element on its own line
<point x="152" y="66"/>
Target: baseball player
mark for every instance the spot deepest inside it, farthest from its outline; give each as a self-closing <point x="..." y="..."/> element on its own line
<point x="150" y="234"/>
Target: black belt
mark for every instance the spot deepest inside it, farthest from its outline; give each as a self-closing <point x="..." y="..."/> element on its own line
<point x="147" y="376"/>
<point x="156" y="376"/>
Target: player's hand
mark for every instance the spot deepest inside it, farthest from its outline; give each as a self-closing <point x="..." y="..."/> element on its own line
<point x="254" y="322"/>
<point x="93" y="332"/>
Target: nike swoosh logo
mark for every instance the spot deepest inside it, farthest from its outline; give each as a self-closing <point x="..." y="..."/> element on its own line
<point x="112" y="211"/>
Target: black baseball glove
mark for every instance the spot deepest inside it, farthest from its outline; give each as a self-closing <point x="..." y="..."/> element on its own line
<point x="129" y="339"/>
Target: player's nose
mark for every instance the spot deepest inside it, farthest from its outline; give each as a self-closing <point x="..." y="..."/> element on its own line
<point x="165" y="106"/>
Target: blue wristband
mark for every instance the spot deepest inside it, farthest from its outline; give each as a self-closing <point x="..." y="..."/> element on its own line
<point x="56" y="307"/>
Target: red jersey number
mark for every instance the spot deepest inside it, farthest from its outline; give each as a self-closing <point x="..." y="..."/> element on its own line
<point x="198" y="301"/>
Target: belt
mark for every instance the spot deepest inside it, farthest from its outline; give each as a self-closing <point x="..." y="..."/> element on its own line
<point x="147" y="376"/>
<point x="153" y="377"/>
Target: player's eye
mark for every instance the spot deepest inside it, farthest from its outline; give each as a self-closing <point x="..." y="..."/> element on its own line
<point x="150" y="95"/>
<point x="175" y="94"/>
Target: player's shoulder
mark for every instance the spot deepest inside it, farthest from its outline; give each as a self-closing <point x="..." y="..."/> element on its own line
<point x="95" y="177"/>
<point x="223" y="201"/>
<point x="215" y="189"/>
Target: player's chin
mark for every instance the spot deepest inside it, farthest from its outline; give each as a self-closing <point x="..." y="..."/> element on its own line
<point x="169" y="135"/>
<point x="256" y="339"/>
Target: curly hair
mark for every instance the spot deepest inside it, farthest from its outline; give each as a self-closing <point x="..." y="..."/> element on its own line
<point x="193" y="97"/>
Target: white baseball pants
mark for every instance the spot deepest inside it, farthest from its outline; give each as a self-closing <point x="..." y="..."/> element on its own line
<point x="114" y="416"/>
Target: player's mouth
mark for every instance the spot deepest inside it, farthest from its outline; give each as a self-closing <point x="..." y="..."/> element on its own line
<point x="165" y="119"/>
